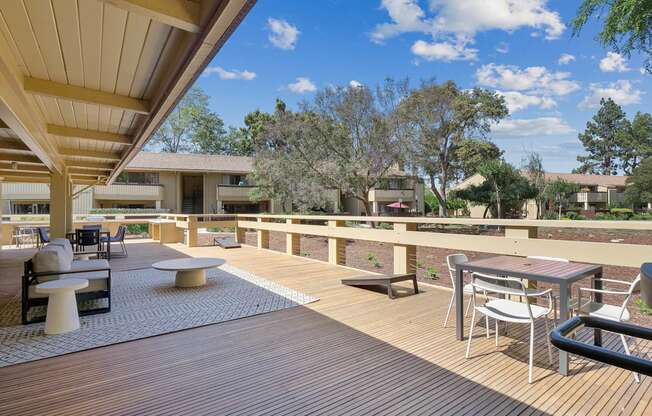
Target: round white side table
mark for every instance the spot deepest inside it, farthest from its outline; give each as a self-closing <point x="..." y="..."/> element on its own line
<point x="190" y="272"/>
<point x="62" y="315"/>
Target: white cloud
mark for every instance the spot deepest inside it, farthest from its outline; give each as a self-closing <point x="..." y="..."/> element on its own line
<point x="463" y="19"/>
<point x="283" y="35"/>
<point x="621" y="91"/>
<point x="226" y="75"/>
<point x="613" y="62"/>
<point x="565" y="59"/>
<point x="535" y="78"/>
<point x="443" y="51"/>
<point x="541" y="126"/>
<point x="406" y="16"/>
<point x="355" y="84"/>
<point x="502" y="47"/>
<point x="302" y="85"/>
<point x="517" y="101"/>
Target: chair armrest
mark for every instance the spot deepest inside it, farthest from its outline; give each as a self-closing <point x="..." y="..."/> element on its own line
<point x="622" y="282"/>
<point x="536" y="294"/>
<point x="56" y="273"/>
<point x="606" y="291"/>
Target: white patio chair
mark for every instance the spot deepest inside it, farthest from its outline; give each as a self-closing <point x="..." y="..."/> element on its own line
<point x="618" y="313"/>
<point x="507" y="310"/>
<point x="554" y="298"/>
<point x="453" y="260"/>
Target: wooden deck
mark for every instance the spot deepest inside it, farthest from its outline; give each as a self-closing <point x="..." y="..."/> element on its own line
<point x="353" y="352"/>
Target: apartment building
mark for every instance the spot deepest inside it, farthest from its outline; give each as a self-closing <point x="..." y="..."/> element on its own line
<point x="597" y="192"/>
<point x="195" y="184"/>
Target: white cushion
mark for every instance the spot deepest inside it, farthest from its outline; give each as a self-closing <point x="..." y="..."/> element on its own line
<point x="65" y="244"/>
<point x="90" y="265"/>
<point x="51" y="258"/>
<point x="511" y="311"/>
<point x="605" y="311"/>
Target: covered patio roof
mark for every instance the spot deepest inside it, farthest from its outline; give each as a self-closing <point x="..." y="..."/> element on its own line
<point x="84" y="84"/>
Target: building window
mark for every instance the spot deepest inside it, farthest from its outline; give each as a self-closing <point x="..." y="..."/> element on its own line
<point x="29" y="208"/>
<point x="138" y="178"/>
<point x="237" y="180"/>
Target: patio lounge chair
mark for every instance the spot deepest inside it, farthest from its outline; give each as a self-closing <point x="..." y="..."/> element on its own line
<point x="43" y="236"/>
<point x="119" y="237"/>
<point x="379" y="280"/>
<point x="57" y="261"/>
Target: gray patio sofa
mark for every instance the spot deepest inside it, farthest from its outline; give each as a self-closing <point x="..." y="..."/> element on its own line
<point x="56" y="260"/>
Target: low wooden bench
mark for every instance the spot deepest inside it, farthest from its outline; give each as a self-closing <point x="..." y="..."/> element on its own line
<point x="382" y="281"/>
<point x="226" y="242"/>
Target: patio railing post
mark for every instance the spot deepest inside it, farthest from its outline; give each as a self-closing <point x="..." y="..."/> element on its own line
<point x="240" y="235"/>
<point x="292" y="240"/>
<point x="523" y="232"/>
<point x="263" y="235"/>
<point x="405" y="256"/>
<point x="192" y="231"/>
<point x="336" y="246"/>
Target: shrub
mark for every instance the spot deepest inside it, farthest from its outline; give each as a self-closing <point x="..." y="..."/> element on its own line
<point x="100" y="211"/>
<point x="431" y="273"/>
<point x="643" y="307"/>
<point x="137" y="229"/>
<point x="550" y="215"/>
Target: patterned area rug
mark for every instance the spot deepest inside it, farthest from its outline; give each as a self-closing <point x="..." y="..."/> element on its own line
<point x="146" y="303"/>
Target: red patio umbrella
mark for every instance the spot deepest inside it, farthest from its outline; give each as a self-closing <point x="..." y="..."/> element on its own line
<point x="397" y="204"/>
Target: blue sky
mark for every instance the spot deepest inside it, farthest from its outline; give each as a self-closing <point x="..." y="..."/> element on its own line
<point x="521" y="48"/>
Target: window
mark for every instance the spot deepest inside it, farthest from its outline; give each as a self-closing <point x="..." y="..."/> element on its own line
<point x="27" y="208"/>
<point x="237" y="180"/>
<point x="140" y="178"/>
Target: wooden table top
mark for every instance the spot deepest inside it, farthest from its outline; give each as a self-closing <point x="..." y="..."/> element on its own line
<point x="536" y="269"/>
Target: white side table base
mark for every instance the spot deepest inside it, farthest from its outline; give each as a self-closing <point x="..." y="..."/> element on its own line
<point x="62" y="315"/>
<point x="190" y="278"/>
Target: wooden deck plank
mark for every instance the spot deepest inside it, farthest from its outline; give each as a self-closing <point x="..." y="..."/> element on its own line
<point x="352" y="352"/>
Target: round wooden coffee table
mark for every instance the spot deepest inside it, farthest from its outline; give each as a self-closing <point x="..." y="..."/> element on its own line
<point x="191" y="272"/>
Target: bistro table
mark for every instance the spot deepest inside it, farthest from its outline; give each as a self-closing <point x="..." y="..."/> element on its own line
<point x="72" y="237"/>
<point x="558" y="273"/>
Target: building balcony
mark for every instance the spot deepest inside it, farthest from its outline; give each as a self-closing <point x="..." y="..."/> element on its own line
<point x="234" y="192"/>
<point x="25" y="191"/>
<point x="128" y="192"/>
<point x="391" y="195"/>
<point x="590" y="197"/>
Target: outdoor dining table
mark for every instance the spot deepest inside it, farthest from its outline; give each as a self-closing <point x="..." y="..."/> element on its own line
<point x="72" y="237"/>
<point x="559" y="273"/>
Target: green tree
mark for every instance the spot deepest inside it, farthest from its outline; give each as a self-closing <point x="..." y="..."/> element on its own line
<point x="345" y="140"/>
<point x="209" y="135"/>
<point x="639" y="185"/>
<point x="439" y="117"/>
<point x="503" y="191"/>
<point x="533" y="169"/>
<point x="627" y="25"/>
<point x="176" y="133"/>
<point x="471" y="153"/>
<point x="602" y="140"/>
<point x="635" y="142"/>
<point x="559" y="191"/>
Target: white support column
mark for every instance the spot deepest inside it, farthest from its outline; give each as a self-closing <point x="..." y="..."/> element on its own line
<point x="336" y="246"/>
<point x="405" y="256"/>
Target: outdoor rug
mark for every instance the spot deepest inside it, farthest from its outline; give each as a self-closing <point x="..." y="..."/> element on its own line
<point x="146" y="303"/>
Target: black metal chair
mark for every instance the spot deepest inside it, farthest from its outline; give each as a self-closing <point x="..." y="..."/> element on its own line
<point x="119" y="237"/>
<point x="87" y="237"/>
<point x="92" y="227"/>
<point x="43" y="236"/>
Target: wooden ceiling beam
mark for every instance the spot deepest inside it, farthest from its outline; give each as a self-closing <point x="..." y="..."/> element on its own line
<point x="88" y="172"/>
<point x="89" y="154"/>
<point x="182" y="14"/>
<point x="23" y="179"/>
<point x="13" y="145"/>
<point x="17" y="174"/>
<point x="83" y="134"/>
<point x="84" y="95"/>
<point x="3" y="125"/>
<point x="8" y="157"/>
<point x="90" y="165"/>
<point x="23" y="168"/>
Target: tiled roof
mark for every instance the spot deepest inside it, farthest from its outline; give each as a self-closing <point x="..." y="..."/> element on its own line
<point x="596" y="180"/>
<point x="191" y="162"/>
